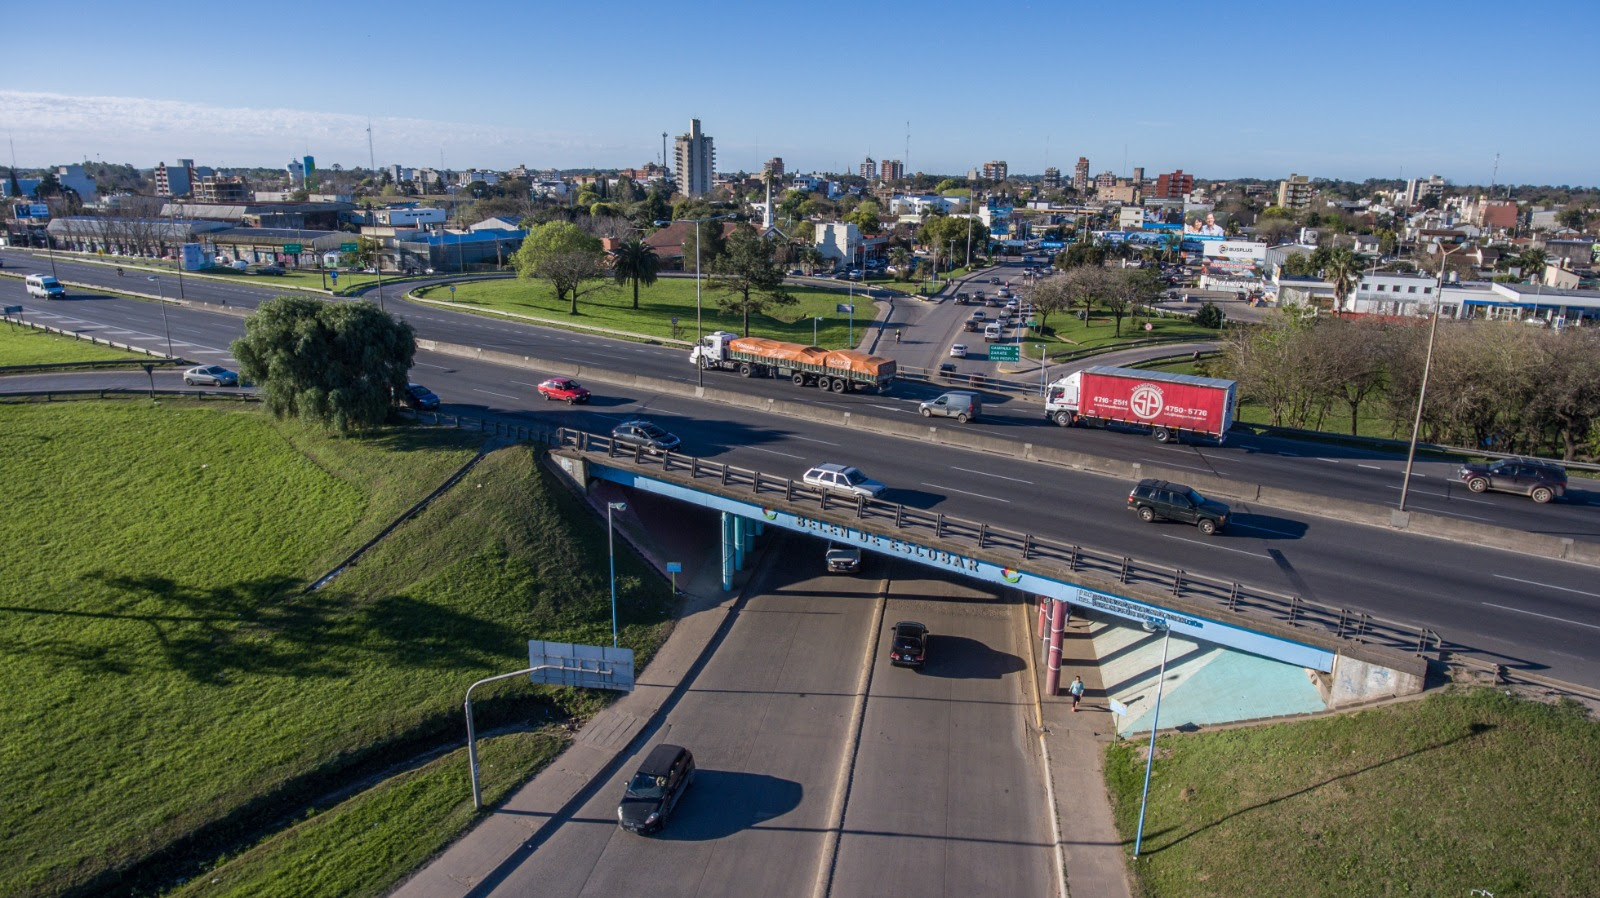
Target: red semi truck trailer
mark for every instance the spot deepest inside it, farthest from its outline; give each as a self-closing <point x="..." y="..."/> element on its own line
<point x="1167" y="405"/>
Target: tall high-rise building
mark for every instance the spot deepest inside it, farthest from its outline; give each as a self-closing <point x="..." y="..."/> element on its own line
<point x="1080" y="174"/>
<point x="868" y="169"/>
<point x="995" y="170"/>
<point x="1173" y="185"/>
<point x="774" y="167"/>
<point x="696" y="161"/>
<point x="891" y="170"/>
<point x="1138" y="176"/>
<point x="1052" y="178"/>
<point x="1295" y="193"/>
<point x="175" y="180"/>
<point x="1105" y="179"/>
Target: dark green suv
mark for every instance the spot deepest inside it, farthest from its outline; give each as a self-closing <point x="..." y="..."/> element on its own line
<point x="1163" y="499"/>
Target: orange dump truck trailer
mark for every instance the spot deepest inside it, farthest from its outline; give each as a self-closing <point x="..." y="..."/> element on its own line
<point x="829" y="369"/>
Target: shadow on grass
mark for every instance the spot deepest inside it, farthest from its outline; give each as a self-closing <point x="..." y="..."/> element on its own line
<point x="266" y="626"/>
<point x="1473" y="730"/>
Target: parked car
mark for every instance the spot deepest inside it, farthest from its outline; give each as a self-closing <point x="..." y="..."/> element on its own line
<point x="909" y="645"/>
<point x="214" y="375"/>
<point x="646" y="435"/>
<point x="846" y="479"/>
<point x="958" y="350"/>
<point x="1535" y="478"/>
<point x="420" y="397"/>
<point x="564" y="388"/>
<point x="655" y="790"/>
<point x="842" y="559"/>
<point x="270" y="269"/>
<point x="1154" y="499"/>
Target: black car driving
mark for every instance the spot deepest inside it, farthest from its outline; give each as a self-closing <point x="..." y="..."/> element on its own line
<point x="656" y="789"/>
<point x="1162" y="499"/>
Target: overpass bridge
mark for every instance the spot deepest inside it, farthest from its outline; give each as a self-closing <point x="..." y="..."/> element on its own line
<point x="1351" y="656"/>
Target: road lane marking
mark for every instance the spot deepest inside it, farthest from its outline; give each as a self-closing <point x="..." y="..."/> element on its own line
<point x="999" y="476"/>
<point x="1289" y="454"/>
<point x="523" y="383"/>
<point x="1575" y="623"/>
<point x="1369" y="467"/>
<point x="951" y="489"/>
<point x="1156" y="461"/>
<point x="1239" y="526"/>
<point x="430" y="365"/>
<point x="1211" y="544"/>
<point x="1331" y="461"/>
<point x="890" y="408"/>
<point x="1547" y="585"/>
<point x="774" y="452"/>
<point x="813" y="440"/>
<point x="493" y="393"/>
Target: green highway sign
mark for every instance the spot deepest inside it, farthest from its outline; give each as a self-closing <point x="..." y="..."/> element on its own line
<point x="1033" y="322"/>
<point x="1004" y="352"/>
<point x="292" y="247"/>
<point x="348" y="247"/>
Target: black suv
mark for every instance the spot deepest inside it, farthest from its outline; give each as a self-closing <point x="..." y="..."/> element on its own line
<point x="909" y="647"/>
<point x="644" y="435"/>
<point x="1535" y="478"/>
<point x="1174" y="501"/>
<point x="656" y="789"/>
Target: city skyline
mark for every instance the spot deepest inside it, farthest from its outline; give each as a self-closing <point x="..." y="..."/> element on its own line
<point x="1378" y="91"/>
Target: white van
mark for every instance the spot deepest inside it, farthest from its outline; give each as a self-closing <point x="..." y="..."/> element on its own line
<point x="44" y="286"/>
<point x="992" y="333"/>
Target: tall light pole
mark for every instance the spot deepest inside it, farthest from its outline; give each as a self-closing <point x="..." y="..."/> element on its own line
<point x="168" y="328"/>
<point x="699" y="326"/>
<point x="1161" y="680"/>
<point x="1427" y="368"/>
<point x="611" y="549"/>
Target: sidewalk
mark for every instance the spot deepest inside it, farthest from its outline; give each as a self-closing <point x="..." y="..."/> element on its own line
<point x="511" y="832"/>
<point x="1074" y="744"/>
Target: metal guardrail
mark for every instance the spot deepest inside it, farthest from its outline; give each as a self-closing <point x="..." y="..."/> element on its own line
<point x="126" y="393"/>
<point x="1225" y="596"/>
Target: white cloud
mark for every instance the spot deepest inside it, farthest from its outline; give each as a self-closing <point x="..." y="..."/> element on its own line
<point x="51" y="129"/>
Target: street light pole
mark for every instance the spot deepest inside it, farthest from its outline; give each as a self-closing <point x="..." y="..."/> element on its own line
<point x="1155" y="722"/>
<point x="699" y="326"/>
<point x="1427" y="369"/>
<point x="611" y="549"/>
<point x="165" y="326"/>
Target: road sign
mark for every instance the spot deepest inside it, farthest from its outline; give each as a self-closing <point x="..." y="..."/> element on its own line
<point x="585" y="666"/>
<point x="348" y="247"/>
<point x="845" y="308"/>
<point x="452" y="291"/>
<point x="292" y="247"/>
<point x="1004" y="352"/>
<point x="334" y="275"/>
<point x="1033" y="322"/>
<point x="13" y="310"/>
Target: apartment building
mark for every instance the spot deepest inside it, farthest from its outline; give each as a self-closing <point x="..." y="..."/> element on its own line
<point x="696" y="158"/>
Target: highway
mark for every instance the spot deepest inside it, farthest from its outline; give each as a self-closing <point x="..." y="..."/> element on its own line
<point x="943" y="783"/>
<point x="1528" y="613"/>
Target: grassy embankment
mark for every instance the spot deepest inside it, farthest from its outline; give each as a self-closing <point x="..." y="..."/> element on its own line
<point x="174" y="693"/>
<point x="26" y="346"/>
<point x="1463" y="791"/>
<point x="612" y="307"/>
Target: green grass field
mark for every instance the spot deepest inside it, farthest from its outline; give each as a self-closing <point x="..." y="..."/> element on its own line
<point x="173" y="690"/>
<point x="1465" y="790"/>
<point x="26" y="346"/>
<point x="612" y="307"/>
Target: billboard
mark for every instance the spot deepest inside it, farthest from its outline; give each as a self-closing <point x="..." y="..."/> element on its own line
<point x="30" y="210"/>
<point x="1237" y="250"/>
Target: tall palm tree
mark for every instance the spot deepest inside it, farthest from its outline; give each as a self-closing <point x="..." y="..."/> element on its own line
<point x="1532" y="262"/>
<point x="900" y="258"/>
<point x="1342" y="271"/>
<point x="636" y="261"/>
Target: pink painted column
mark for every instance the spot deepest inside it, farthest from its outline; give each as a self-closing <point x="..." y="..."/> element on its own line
<point x="1058" y="623"/>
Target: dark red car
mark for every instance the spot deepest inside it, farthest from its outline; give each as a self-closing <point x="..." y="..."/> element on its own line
<point x="565" y="389"/>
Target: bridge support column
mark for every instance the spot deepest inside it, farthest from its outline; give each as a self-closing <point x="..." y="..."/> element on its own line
<point x="741" y="541"/>
<point x="727" y="551"/>
<point x="1052" y="673"/>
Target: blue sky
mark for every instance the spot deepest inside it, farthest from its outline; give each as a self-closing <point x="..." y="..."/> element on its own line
<point x="1350" y="90"/>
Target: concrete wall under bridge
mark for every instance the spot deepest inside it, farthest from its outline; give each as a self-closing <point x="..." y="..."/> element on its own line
<point x="1291" y="649"/>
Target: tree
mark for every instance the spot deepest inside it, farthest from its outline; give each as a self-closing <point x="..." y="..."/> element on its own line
<point x="747" y="273"/>
<point x="1084" y="285"/>
<point x="865" y="217"/>
<point x="1129" y="288"/>
<point x="1082" y="253"/>
<point x="565" y="255"/>
<point x="367" y="250"/>
<point x="900" y="258"/>
<point x="1573" y="217"/>
<point x="1050" y="296"/>
<point x="635" y="261"/>
<point x="1209" y="315"/>
<point x="1532" y="261"/>
<point x="338" y="365"/>
<point x="1341" y="271"/>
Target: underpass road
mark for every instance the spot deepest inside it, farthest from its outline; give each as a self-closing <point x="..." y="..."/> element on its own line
<point x="767" y="720"/>
<point x="948" y="792"/>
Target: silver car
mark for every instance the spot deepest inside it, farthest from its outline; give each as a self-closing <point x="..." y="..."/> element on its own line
<point x="845" y="479"/>
<point x="214" y="375"/>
